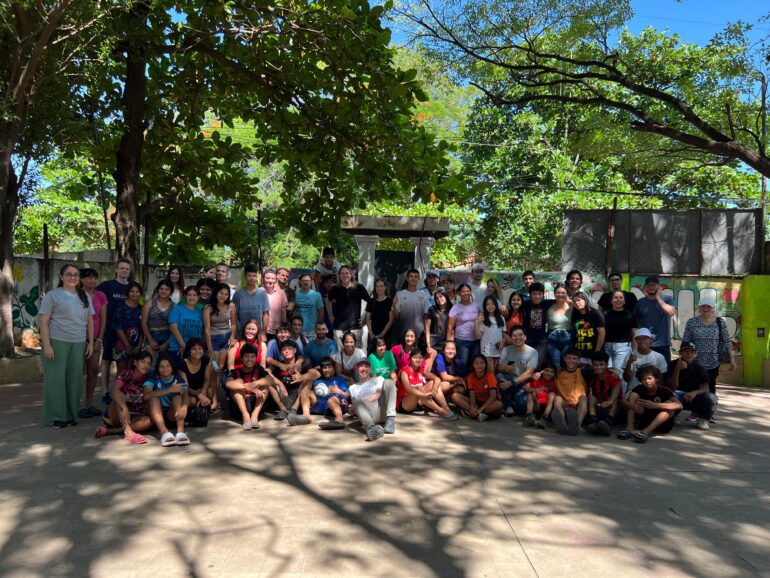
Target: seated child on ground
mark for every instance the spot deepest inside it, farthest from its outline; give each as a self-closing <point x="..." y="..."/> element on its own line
<point x="290" y="378"/>
<point x="541" y="393"/>
<point x="127" y="413"/>
<point x="651" y="407"/>
<point x="248" y="385"/>
<point x="416" y="390"/>
<point x="167" y="398"/>
<point x="571" y="403"/>
<point x="329" y="394"/>
<point x="605" y="387"/>
<point x="483" y="400"/>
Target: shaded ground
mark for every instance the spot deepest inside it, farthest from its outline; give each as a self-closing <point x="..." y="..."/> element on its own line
<point x="436" y="499"/>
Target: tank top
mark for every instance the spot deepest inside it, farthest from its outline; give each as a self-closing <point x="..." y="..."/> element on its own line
<point x="157" y="318"/>
<point x="220" y="323"/>
<point x="559" y="321"/>
<point x="195" y="380"/>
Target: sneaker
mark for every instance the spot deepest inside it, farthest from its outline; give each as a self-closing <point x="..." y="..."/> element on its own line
<point x="702" y="424"/>
<point x="508" y="412"/>
<point x="296" y="419"/>
<point x="58" y="424"/>
<point x="572" y="422"/>
<point x="106" y="398"/>
<point x="374" y="432"/>
<point x="530" y="420"/>
<point x="541" y="423"/>
<point x="452" y="416"/>
<point x="712" y="419"/>
<point x="559" y="422"/>
<point x="281" y="415"/>
<point x="390" y="425"/>
<point x="604" y="427"/>
<point x="693" y="417"/>
<point x="483" y="417"/>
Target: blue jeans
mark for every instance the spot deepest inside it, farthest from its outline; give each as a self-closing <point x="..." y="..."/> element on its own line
<point x="702" y="404"/>
<point x="558" y="341"/>
<point x="619" y="353"/>
<point x="466" y="350"/>
<point x="514" y="396"/>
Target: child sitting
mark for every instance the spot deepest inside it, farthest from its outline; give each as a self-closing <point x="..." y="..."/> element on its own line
<point x="571" y="404"/>
<point x="167" y="394"/>
<point x="483" y="400"/>
<point x="328" y="394"/>
<point x="540" y="395"/>
<point x="605" y="387"/>
<point x="651" y="406"/>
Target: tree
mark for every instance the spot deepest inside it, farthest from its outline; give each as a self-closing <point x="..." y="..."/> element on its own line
<point x="39" y="42"/>
<point x="702" y="101"/>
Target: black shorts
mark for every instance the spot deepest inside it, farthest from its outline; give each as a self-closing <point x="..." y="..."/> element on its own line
<point x="645" y="419"/>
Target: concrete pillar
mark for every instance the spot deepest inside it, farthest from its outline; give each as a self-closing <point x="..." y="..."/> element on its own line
<point x="366" y="247"/>
<point x="422" y="249"/>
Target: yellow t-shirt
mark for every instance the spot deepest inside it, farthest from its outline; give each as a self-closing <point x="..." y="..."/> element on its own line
<point x="570" y="386"/>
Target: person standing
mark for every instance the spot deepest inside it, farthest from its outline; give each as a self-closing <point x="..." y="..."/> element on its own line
<point x="279" y="303"/>
<point x="620" y="325"/>
<point x="616" y="284"/>
<point x="462" y="324"/>
<point x="251" y="302"/>
<point x="67" y="334"/>
<point x="282" y="276"/>
<point x="116" y="291"/>
<point x="410" y="306"/>
<point x="476" y="283"/>
<point x="654" y="311"/>
<point x="527" y="278"/>
<point x="379" y="312"/>
<point x="90" y="279"/>
<point x="309" y="305"/>
<point x="344" y="307"/>
<point x="176" y="277"/>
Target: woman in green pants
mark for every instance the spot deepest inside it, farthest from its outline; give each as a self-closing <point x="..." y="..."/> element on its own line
<point x="67" y="331"/>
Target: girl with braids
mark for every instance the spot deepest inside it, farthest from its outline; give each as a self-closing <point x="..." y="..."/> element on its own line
<point x="67" y="332"/>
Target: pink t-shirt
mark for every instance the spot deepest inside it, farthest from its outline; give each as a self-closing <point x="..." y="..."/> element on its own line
<point x="99" y="300"/>
<point x="466" y="317"/>
<point x="278" y="303"/>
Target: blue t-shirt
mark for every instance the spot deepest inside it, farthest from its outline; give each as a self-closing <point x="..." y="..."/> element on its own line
<point x="250" y="306"/>
<point x="306" y="305"/>
<point x="159" y="384"/>
<point x="456" y="369"/>
<point x="315" y="352"/>
<point x="188" y="322"/>
<point x="650" y="314"/>
<point x="337" y="380"/>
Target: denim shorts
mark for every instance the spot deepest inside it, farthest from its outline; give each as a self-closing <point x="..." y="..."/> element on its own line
<point x="220" y="342"/>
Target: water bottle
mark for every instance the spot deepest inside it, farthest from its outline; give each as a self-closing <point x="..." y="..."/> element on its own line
<point x="215" y="366"/>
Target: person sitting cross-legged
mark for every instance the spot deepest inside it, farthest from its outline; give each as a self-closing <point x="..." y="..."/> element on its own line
<point x="483" y="400"/>
<point x="374" y="402"/>
<point x="417" y="390"/>
<point x="689" y="381"/>
<point x="167" y="398"/>
<point x="329" y="394"/>
<point x="651" y="407"/>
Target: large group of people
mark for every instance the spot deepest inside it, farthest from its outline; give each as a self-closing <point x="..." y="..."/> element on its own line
<point x="330" y="348"/>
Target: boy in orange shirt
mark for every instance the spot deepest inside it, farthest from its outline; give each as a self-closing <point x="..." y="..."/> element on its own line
<point x="571" y="403"/>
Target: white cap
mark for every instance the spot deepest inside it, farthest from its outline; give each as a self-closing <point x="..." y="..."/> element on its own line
<point x="430" y="272"/>
<point x="477" y="267"/>
<point x="708" y="300"/>
<point x="643" y="332"/>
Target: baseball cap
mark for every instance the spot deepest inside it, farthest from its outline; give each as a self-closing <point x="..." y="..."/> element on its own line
<point x="433" y="272"/>
<point x="364" y="361"/>
<point x="477" y="267"/>
<point x="643" y="332"/>
<point x="652" y="279"/>
<point x="708" y="300"/>
<point x="687" y="345"/>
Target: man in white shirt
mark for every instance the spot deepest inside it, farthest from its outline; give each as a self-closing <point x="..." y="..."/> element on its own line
<point x="477" y="285"/>
<point x="644" y="355"/>
<point x="374" y="402"/>
<point x="410" y="306"/>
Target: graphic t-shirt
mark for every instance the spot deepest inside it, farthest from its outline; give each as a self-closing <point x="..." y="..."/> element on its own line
<point x="159" y="384"/>
<point x="412" y="307"/>
<point x="257" y="372"/>
<point x="383" y="367"/>
<point x="128" y="319"/>
<point x="536" y="320"/>
<point x="131" y="386"/>
<point x="482" y="387"/>
<point x="189" y="322"/>
<point x="602" y="387"/>
<point x="585" y="326"/>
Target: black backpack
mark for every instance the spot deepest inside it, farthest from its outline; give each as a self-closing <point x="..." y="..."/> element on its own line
<point x="198" y="416"/>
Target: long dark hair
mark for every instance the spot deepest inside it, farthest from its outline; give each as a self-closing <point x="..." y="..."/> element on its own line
<point x="132" y="285"/>
<point x="496" y="314"/>
<point x="180" y="283"/>
<point x="513" y="294"/>
<point x="163" y="283"/>
<point x="214" y="300"/>
<point x="79" y="290"/>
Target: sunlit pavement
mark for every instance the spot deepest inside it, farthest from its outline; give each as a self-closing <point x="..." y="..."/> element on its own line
<point x="436" y="499"/>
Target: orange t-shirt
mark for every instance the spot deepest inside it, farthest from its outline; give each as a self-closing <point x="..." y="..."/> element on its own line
<point x="570" y="386"/>
<point x="482" y="386"/>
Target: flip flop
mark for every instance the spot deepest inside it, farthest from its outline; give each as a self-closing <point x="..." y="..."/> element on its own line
<point x="247" y="425"/>
<point x="641" y="437"/>
<point x="136" y="439"/>
<point x="101" y="431"/>
<point x="182" y="439"/>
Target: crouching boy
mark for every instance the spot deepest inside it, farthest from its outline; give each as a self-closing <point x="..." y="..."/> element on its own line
<point x="651" y="407"/>
<point x="374" y="402"/>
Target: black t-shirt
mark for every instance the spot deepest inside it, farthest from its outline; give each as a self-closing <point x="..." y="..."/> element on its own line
<point x="660" y="395"/>
<point x="535" y="320"/>
<point x="605" y="301"/>
<point x="619" y="325"/>
<point x="195" y="380"/>
<point x="346" y="305"/>
<point x="691" y="378"/>
<point x="258" y="372"/>
<point x="380" y="311"/>
<point x="585" y="326"/>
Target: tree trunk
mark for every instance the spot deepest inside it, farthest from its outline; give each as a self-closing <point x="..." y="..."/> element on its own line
<point x="9" y="202"/>
<point x="129" y="154"/>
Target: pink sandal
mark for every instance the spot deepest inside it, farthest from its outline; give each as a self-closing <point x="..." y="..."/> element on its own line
<point x="136" y="439"/>
<point x="101" y="431"/>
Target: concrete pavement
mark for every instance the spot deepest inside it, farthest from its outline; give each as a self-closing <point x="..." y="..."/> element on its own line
<point x="436" y="499"/>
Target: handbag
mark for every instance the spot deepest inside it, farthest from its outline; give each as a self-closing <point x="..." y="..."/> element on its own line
<point x="723" y="351"/>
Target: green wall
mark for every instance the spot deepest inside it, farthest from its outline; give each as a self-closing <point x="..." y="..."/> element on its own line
<point x="755" y="312"/>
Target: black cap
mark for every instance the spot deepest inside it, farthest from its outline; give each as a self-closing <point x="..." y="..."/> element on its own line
<point x="652" y="279"/>
<point x="687" y="345"/>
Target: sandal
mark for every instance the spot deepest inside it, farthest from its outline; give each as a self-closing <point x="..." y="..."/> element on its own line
<point x="182" y="439"/>
<point x="641" y="437"/>
<point x="101" y="431"/>
<point x="167" y="440"/>
<point x="624" y="435"/>
<point x="136" y="439"/>
<point x="247" y="426"/>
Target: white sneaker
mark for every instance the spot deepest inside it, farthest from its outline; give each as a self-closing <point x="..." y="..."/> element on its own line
<point x="508" y="412"/>
<point x="702" y="424"/>
<point x="483" y="417"/>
